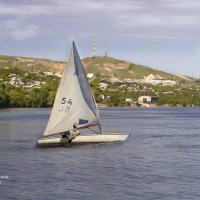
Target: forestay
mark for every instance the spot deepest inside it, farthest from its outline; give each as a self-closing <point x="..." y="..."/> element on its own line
<point x="74" y="102"/>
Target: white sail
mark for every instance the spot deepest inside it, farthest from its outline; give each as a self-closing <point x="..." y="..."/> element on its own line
<point x="74" y="102"/>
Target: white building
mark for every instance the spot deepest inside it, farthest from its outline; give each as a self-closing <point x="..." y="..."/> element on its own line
<point x="123" y="86"/>
<point x="34" y="84"/>
<point x="128" y="100"/>
<point x="103" y="86"/>
<point x="12" y="75"/>
<point x="90" y="75"/>
<point x="48" y="73"/>
<point x="16" y="81"/>
<point x="147" y="99"/>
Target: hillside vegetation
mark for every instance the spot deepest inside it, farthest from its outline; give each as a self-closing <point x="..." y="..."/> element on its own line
<point x="100" y="66"/>
<point x="25" y="82"/>
<point x="111" y="67"/>
<point x="31" y="64"/>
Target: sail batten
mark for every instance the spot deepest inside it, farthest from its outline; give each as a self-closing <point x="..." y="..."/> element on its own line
<point x="74" y="102"/>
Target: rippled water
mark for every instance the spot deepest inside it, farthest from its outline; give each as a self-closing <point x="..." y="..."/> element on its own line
<point x="160" y="159"/>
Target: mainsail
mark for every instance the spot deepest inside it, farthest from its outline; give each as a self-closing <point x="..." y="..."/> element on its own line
<point x="74" y="102"/>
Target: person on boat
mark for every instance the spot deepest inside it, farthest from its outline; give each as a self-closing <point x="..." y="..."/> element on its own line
<point x="71" y="134"/>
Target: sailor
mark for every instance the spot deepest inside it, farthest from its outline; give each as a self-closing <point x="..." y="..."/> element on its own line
<point x="73" y="133"/>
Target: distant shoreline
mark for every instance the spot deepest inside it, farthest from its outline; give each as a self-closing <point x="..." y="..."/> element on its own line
<point x="179" y="106"/>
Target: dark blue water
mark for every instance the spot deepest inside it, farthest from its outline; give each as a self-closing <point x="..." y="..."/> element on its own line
<point x="160" y="159"/>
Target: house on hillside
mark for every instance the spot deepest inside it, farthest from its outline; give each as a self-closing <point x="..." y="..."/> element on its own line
<point x="147" y="99"/>
<point x="48" y="73"/>
<point x="103" y="86"/>
<point x="90" y="75"/>
<point x="12" y="75"/>
<point x="34" y="84"/>
<point x="128" y="100"/>
<point x="123" y="86"/>
<point x="16" y="81"/>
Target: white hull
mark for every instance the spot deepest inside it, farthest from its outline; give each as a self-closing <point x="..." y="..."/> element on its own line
<point x="83" y="139"/>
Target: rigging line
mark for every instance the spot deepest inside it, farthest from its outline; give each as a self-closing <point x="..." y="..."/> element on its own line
<point x="86" y="126"/>
<point x="93" y="131"/>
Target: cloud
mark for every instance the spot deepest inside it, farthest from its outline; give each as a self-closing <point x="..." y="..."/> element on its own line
<point x="20" y="30"/>
<point x="127" y="13"/>
<point x="20" y="8"/>
<point x="171" y="25"/>
<point x="66" y="8"/>
<point x="164" y="20"/>
<point x="180" y="4"/>
<point x="134" y="17"/>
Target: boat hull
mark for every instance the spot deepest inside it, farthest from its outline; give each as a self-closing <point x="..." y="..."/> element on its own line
<point x="83" y="139"/>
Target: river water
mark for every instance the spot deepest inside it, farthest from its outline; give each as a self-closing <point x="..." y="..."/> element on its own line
<point x="159" y="160"/>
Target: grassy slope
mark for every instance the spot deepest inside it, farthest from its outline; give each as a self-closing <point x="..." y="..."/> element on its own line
<point x="99" y="66"/>
<point x="108" y="66"/>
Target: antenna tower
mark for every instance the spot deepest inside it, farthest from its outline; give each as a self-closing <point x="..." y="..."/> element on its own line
<point x="94" y="46"/>
<point x="106" y="51"/>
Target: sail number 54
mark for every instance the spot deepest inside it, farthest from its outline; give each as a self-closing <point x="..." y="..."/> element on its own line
<point x="65" y="105"/>
<point x="64" y="101"/>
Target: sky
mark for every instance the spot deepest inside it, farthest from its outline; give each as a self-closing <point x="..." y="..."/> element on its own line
<point x="162" y="34"/>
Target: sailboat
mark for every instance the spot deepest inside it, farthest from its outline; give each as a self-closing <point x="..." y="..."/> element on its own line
<point x="75" y="103"/>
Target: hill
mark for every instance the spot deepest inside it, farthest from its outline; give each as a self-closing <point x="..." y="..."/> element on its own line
<point x="123" y="70"/>
<point x="31" y="82"/>
<point x="100" y="67"/>
<point x="31" y="64"/>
